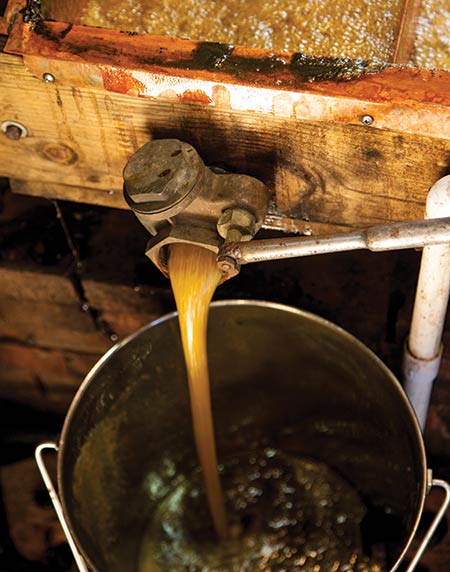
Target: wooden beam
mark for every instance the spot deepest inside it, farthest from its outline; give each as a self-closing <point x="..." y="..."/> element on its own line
<point x="320" y="173"/>
<point x="42" y="369"/>
<point x="80" y="194"/>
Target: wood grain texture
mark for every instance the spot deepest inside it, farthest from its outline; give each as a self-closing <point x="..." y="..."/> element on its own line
<point x="58" y="191"/>
<point x="52" y="326"/>
<point x="323" y="173"/>
<point x="46" y="335"/>
<point x="124" y="308"/>
<point x="42" y="368"/>
<point x="42" y="309"/>
<point x="22" y="284"/>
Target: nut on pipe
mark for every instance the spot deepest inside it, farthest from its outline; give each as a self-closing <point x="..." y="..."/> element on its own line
<point x="236" y="225"/>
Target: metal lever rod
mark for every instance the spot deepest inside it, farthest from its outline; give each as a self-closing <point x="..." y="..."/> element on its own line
<point x="393" y="236"/>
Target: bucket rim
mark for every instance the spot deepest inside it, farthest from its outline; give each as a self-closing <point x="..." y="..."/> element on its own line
<point x="244" y="302"/>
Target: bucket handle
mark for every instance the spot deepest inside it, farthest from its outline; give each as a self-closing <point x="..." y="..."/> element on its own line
<point x="437" y="519"/>
<point x="82" y="566"/>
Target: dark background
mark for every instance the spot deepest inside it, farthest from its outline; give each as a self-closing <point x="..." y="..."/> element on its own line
<point x="74" y="279"/>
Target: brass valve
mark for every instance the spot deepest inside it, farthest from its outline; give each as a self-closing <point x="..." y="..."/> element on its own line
<point x="178" y="199"/>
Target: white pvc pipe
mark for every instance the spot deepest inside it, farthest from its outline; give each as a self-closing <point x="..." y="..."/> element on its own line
<point x="423" y="349"/>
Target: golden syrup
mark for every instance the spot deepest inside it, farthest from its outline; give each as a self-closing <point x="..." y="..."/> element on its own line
<point x="432" y="45"/>
<point x="194" y="276"/>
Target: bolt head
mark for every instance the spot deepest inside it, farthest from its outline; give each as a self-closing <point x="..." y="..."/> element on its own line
<point x="48" y="77"/>
<point x="160" y="174"/>
<point x="228" y="266"/>
<point x="225" y="266"/>
<point x="236" y="225"/>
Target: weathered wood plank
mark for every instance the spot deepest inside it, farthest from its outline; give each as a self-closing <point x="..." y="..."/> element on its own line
<point x="331" y="174"/>
<point x="49" y="369"/>
<point x="43" y="309"/>
<point x="52" y="400"/>
<point x="49" y="325"/>
<point x="21" y="284"/>
<point x="58" y="191"/>
<point x="125" y="309"/>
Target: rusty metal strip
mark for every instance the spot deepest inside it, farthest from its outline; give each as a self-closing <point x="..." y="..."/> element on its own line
<point x="242" y="79"/>
<point x="406" y="35"/>
<point x="11" y="12"/>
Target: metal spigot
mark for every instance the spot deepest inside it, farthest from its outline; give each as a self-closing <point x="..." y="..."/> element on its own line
<point x="178" y="199"/>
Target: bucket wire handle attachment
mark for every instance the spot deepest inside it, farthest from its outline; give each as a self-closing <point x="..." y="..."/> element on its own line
<point x="437" y="519"/>
<point x="82" y="566"/>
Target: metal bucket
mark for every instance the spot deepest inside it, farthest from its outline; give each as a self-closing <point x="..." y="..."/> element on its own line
<point x="272" y="364"/>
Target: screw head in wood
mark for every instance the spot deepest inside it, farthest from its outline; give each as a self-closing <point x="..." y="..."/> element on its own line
<point x="366" y="119"/>
<point x="48" y="77"/>
<point x="13" y="130"/>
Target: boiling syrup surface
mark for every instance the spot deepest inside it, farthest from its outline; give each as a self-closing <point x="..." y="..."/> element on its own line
<point x="285" y="514"/>
<point x="336" y="28"/>
<point x="342" y="28"/>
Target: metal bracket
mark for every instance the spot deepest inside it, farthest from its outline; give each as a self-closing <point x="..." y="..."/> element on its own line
<point x="82" y="566"/>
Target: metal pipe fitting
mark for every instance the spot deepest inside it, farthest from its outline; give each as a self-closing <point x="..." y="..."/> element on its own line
<point x="178" y="199"/>
<point x="383" y="237"/>
<point x="423" y="349"/>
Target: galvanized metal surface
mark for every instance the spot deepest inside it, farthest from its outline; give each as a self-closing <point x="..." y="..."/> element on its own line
<point x="279" y="368"/>
<point x="406" y="35"/>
